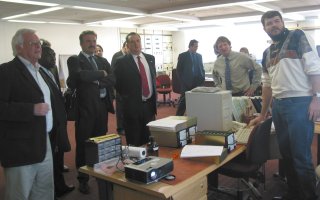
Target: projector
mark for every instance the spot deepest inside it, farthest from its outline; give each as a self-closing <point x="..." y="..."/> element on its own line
<point x="148" y="170"/>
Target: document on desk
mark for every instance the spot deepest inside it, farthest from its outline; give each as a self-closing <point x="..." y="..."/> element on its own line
<point x="190" y="151"/>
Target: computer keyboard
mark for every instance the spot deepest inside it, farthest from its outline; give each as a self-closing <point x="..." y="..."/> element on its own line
<point x="242" y="135"/>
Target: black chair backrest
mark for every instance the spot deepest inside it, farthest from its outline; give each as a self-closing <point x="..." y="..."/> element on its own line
<point x="257" y="151"/>
<point x="175" y="82"/>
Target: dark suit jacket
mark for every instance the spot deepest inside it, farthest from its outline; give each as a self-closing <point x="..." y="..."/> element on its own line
<point x="58" y="135"/>
<point x="22" y="134"/>
<point x="128" y="84"/>
<point x="184" y="71"/>
<point x="83" y="77"/>
<point x="115" y="57"/>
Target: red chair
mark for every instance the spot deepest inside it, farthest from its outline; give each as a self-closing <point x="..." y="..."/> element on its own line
<point x="164" y="88"/>
<point x="176" y="87"/>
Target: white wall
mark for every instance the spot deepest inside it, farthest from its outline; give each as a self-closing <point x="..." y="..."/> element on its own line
<point x="251" y="36"/>
<point x="64" y="38"/>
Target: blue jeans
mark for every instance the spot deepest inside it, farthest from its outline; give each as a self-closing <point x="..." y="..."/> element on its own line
<point x="295" y="135"/>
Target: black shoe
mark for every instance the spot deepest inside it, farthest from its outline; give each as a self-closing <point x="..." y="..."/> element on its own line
<point x="65" y="191"/>
<point x="84" y="188"/>
<point x="65" y="168"/>
<point x="120" y="131"/>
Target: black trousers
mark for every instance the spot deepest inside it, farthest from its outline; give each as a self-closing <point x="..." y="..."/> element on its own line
<point x="119" y="112"/>
<point x="59" y="181"/>
<point x="137" y="133"/>
<point x="89" y="124"/>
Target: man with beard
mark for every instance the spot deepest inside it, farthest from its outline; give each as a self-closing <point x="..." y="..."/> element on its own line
<point x="291" y="81"/>
<point x="91" y="76"/>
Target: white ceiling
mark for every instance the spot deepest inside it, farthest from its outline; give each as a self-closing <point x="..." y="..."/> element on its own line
<point x="162" y="14"/>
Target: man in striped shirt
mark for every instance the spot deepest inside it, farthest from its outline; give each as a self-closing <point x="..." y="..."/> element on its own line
<point x="291" y="81"/>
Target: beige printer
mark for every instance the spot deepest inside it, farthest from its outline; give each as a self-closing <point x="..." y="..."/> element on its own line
<point x="173" y="131"/>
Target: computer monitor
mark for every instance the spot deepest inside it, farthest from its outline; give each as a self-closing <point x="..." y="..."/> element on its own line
<point x="213" y="110"/>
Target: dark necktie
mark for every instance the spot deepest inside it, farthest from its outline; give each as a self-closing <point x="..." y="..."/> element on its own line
<point x="103" y="91"/>
<point x="228" y="75"/>
<point x="93" y="63"/>
<point x="144" y="79"/>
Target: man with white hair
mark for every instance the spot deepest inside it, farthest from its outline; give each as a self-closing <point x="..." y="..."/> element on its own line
<point x="26" y="120"/>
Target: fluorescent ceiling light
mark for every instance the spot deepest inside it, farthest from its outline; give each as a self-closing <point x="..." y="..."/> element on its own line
<point x="177" y="17"/>
<point x="118" y="19"/>
<point x="66" y="23"/>
<point x="220" y="22"/>
<point x="16" y="16"/>
<point x="31" y="2"/>
<point x="107" y="10"/>
<point x="257" y="7"/>
<point x="293" y="16"/>
<point x="24" y="21"/>
<point x="33" y="13"/>
<point x="46" y="10"/>
<point x="204" y="7"/>
<point x="112" y="23"/>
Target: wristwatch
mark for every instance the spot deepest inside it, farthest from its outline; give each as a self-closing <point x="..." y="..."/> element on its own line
<point x="316" y="94"/>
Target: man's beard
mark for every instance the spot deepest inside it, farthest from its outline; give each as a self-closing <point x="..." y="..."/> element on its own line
<point x="281" y="36"/>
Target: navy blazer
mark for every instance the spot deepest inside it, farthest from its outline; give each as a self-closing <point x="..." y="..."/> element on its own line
<point x="128" y="84"/>
<point x="187" y="79"/>
<point x="22" y="134"/>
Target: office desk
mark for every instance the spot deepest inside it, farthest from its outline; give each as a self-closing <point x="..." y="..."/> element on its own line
<point x="190" y="182"/>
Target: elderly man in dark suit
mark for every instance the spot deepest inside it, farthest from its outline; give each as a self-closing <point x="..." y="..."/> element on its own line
<point x="91" y="76"/>
<point x="27" y="115"/>
<point x="136" y="83"/>
<point x="191" y="73"/>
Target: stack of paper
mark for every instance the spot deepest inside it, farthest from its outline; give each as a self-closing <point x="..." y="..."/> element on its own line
<point x="190" y="151"/>
<point x="166" y="124"/>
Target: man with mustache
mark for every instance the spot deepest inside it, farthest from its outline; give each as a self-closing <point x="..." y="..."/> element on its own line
<point x="291" y="81"/>
<point x="91" y="76"/>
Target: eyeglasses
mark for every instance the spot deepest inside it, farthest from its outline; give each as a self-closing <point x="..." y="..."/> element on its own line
<point x="34" y="43"/>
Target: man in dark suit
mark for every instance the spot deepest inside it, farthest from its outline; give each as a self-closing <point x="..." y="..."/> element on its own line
<point x="191" y="73"/>
<point x="58" y="136"/>
<point x="92" y="78"/>
<point x="26" y="120"/>
<point x="136" y="83"/>
<point x="119" y="107"/>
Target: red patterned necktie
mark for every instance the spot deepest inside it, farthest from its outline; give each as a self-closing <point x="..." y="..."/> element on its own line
<point x="144" y="79"/>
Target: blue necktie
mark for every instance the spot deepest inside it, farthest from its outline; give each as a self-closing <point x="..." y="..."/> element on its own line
<point x="195" y="64"/>
<point x="228" y="75"/>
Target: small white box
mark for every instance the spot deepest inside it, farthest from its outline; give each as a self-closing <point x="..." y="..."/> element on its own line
<point x="213" y="110"/>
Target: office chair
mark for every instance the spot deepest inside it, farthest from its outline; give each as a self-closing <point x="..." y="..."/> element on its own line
<point x="176" y="88"/>
<point x="164" y="87"/>
<point x="250" y="164"/>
